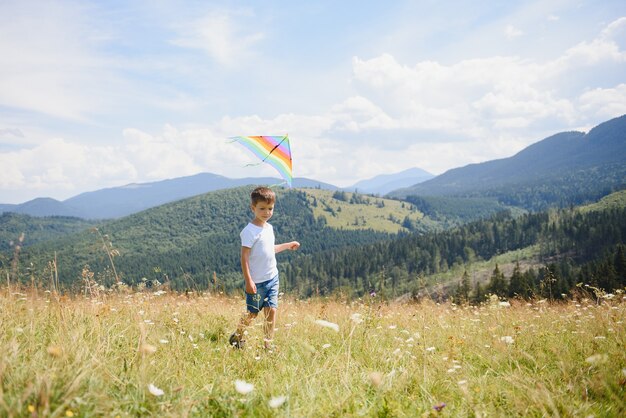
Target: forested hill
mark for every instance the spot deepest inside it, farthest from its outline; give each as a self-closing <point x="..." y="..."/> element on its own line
<point x="574" y="237"/>
<point x="564" y="169"/>
<point x="25" y="230"/>
<point x="187" y="241"/>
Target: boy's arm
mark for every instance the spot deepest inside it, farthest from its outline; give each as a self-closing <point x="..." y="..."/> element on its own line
<point x="293" y="245"/>
<point x="245" y="268"/>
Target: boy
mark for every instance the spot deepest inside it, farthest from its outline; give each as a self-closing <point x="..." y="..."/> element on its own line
<point x="258" y="264"/>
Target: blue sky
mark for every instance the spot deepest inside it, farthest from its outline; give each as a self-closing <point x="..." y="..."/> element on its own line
<point x="102" y="94"/>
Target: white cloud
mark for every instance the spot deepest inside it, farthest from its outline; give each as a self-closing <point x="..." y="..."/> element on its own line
<point x="512" y="32"/>
<point x="605" y="103"/>
<point x="221" y="36"/>
<point x="490" y="94"/>
<point x="49" y="63"/>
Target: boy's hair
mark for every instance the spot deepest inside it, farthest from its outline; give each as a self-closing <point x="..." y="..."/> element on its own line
<point x="262" y="194"/>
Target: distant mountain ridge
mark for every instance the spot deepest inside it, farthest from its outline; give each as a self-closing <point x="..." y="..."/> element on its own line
<point x="386" y="183"/>
<point x="572" y="163"/>
<point x="116" y="202"/>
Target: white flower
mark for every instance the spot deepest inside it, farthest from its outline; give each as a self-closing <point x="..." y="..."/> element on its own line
<point x="147" y="349"/>
<point x="327" y="324"/>
<point x="155" y="390"/>
<point x="431" y="349"/>
<point x="597" y="359"/>
<point x="325" y="346"/>
<point x="462" y="382"/>
<point x="507" y="339"/>
<point x="505" y="304"/>
<point x="163" y="341"/>
<point x="356" y="318"/>
<point x="277" y="401"/>
<point x="243" y="387"/>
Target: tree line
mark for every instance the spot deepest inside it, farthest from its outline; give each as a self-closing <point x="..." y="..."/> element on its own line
<point x="568" y="241"/>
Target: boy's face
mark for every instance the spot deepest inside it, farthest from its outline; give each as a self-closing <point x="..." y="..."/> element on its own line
<point x="263" y="211"/>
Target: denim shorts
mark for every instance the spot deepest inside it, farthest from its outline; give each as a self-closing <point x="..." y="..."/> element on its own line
<point x="266" y="296"/>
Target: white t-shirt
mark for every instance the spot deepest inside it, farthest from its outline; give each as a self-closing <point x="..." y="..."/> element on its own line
<point x="260" y="240"/>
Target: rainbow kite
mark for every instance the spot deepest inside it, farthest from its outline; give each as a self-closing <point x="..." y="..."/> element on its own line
<point x="273" y="150"/>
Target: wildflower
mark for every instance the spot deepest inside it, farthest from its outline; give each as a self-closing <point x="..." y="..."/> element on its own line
<point x="392" y="326"/>
<point x="356" y="318"/>
<point x="164" y="341"/>
<point x="243" y="387"/>
<point x="462" y="382"/>
<point x="69" y="413"/>
<point x="147" y="349"/>
<point x="439" y="407"/>
<point x="507" y="339"/>
<point x="328" y="324"/>
<point x="597" y="359"/>
<point x="155" y="390"/>
<point x="31" y="408"/>
<point x="277" y="401"/>
<point x="325" y="346"/>
<point x="431" y="349"/>
<point x="504" y="304"/>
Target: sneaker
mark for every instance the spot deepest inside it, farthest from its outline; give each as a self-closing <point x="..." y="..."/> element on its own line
<point x="235" y="341"/>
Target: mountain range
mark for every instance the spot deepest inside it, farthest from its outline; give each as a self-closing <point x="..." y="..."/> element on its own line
<point x="386" y="183"/>
<point x="566" y="168"/>
<point x="116" y="202"/>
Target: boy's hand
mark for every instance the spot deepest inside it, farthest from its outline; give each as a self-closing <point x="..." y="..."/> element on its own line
<point x="250" y="288"/>
<point x="294" y="245"/>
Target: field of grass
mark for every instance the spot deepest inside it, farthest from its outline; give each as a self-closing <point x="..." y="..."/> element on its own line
<point x="164" y="354"/>
<point x="369" y="212"/>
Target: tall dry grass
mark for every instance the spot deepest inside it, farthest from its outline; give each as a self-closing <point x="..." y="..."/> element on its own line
<point x="156" y="354"/>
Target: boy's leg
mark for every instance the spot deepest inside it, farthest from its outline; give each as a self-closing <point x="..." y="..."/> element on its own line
<point x="268" y="325"/>
<point x="236" y="339"/>
<point x="245" y="320"/>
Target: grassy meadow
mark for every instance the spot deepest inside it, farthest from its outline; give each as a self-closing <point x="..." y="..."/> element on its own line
<point x="376" y="213"/>
<point x="164" y="354"/>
